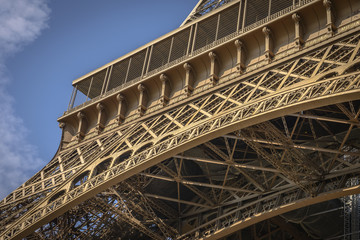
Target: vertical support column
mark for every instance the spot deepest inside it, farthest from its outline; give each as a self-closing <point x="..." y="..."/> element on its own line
<point x="244" y="15"/>
<point x="351" y="212"/>
<point x="101" y="118"/>
<point x="347" y="216"/>
<point x="355" y="223"/>
<point x="103" y="89"/>
<point x="108" y="79"/>
<point x="189" y="79"/>
<point x="217" y="27"/>
<point x="268" y="44"/>
<point x="194" y="38"/>
<point x="189" y="46"/>
<point x="120" y="117"/>
<point x="61" y="166"/>
<point x="219" y="214"/>
<point x="42" y="182"/>
<point x="146" y="59"/>
<point x="355" y="217"/>
<point x="170" y="50"/>
<point x="127" y="71"/>
<point x="240" y="55"/>
<point x="199" y="222"/>
<point x="299" y="41"/>
<point x="330" y="18"/>
<point x="165" y="89"/>
<point x="269" y="10"/>
<point x="142" y="99"/>
<point x="214" y="68"/>
<point x="238" y="23"/>
<point x="88" y="92"/>
<point x="72" y="99"/>
<point x="64" y="139"/>
<point x="82" y="126"/>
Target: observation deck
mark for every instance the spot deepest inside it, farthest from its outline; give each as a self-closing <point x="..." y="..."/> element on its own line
<point x="153" y="76"/>
<point x="244" y="113"/>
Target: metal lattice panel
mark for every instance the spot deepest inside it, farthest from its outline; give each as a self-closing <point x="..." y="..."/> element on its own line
<point x="203" y="7"/>
<point x="229" y="153"/>
<point x="239" y="16"/>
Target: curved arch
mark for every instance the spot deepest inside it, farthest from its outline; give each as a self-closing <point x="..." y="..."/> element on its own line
<point x="56" y="196"/>
<point x="164" y="138"/>
<point x="204" y="67"/>
<point x="201" y="132"/>
<point x="232" y="58"/>
<point x="101" y="167"/>
<point x="122" y="157"/>
<point x="232" y="225"/>
<point x="80" y="180"/>
<point x="143" y="147"/>
<point x="354" y="66"/>
<point x="327" y="75"/>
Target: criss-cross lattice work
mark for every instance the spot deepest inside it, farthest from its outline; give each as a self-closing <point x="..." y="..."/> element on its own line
<point x="203" y="7"/>
<point x="238" y="101"/>
<point x="262" y="141"/>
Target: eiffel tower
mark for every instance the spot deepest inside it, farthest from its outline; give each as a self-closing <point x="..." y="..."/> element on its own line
<point x="243" y="123"/>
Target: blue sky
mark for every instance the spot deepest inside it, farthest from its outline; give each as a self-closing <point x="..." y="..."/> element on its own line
<point x="44" y="46"/>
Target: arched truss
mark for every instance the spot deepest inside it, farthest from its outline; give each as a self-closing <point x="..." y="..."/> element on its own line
<point x="233" y="171"/>
<point x="285" y="137"/>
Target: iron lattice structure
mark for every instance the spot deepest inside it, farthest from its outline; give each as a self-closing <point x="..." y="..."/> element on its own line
<point x="203" y="7"/>
<point x="241" y="124"/>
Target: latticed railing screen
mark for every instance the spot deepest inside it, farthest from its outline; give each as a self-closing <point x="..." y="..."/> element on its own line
<point x="236" y="17"/>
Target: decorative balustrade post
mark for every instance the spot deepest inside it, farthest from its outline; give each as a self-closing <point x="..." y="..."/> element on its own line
<point x="64" y="140"/>
<point x="330" y="17"/>
<point x="189" y="79"/>
<point x="62" y="125"/>
<point x="143" y="99"/>
<point x="82" y="126"/>
<point x="299" y="41"/>
<point x="165" y="89"/>
<point x="101" y="118"/>
<point x="268" y="44"/>
<point x="214" y="68"/>
<point x="120" y="117"/>
<point x="240" y="55"/>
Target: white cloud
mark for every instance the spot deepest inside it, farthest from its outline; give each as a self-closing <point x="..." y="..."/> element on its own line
<point x="21" y="23"/>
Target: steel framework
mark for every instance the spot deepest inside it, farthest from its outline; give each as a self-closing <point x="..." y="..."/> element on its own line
<point x="253" y="122"/>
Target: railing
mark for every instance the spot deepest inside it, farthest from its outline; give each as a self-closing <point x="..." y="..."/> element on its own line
<point x="250" y="68"/>
<point x="192" y="54"/>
